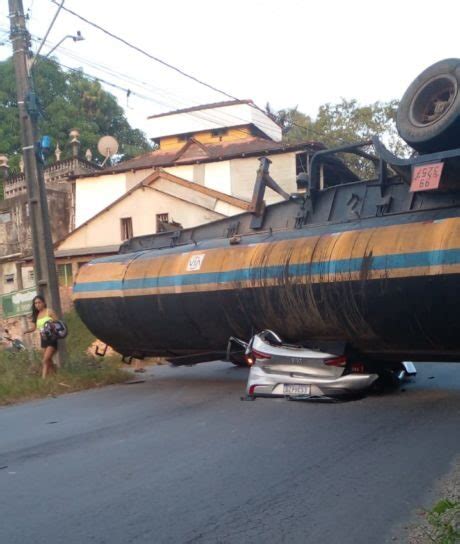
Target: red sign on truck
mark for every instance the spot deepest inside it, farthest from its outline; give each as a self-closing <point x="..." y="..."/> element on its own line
<point x="426" y="177"/>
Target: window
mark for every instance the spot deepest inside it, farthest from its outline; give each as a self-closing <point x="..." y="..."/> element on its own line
<point x="302" y="170"/>
<point x="5" y="217"/>
<point x="161" y="219"/>
<point x="31" y="275"/>
<point x="65" y="274"/>
<point x="126" y="228"/>
<point x="302" y="163"/>
<point x="9" y="278"/>
<point x="218" y="133"/>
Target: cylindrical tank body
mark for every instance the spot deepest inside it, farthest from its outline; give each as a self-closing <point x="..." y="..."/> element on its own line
<point x="391" y="291"/>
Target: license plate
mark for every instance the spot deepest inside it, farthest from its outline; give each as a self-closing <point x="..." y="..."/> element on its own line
<point x="426" y="177"/>
<point x="296" y="389"/>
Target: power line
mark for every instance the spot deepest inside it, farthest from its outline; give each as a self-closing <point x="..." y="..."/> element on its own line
<point x="221" y="117"/>
<point x="168" y="65"/>
<point x="207" y="116"/>
<point x="47" y="33"/>
<point x="126" y="90"/>
<point x="146" y="53"/>
<point x="200" y="115"/>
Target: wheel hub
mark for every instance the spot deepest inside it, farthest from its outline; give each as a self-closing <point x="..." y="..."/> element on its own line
<point x="433" y="100"/>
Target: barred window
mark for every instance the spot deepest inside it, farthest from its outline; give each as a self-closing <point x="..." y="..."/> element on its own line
<point x="162" y="218"/>
<point x="65" y="276"/>
<point x="126" y="224"/>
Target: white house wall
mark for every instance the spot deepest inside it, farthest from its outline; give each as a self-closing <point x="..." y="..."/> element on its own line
<point x="217" y="176"/>
<point x="244" y="172"/>
<point x="133" y="178"/>
<point x="227" y="209"/>
<point x="93" y="194"/>
<point x="234" y="177"/>
<point x="184" y="172"/>
<point x="142" y="206"/>
<point x="185" y="193"/>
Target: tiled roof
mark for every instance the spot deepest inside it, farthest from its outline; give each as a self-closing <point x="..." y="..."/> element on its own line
<point x="201" y="153"/>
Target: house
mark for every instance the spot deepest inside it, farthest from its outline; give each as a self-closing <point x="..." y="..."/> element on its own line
<point x="16" y="270"/>
<point x="160" y="202"/>
<point x="216" y="146"/>
<point x="15" y="226"/>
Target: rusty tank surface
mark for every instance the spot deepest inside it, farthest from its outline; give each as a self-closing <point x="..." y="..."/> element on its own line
<point x="372" y="265"/>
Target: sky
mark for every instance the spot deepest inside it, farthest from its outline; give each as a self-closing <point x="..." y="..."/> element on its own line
<point x="289" y="53"/>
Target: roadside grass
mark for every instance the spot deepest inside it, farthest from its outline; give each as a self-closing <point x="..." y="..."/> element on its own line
<point x="444" y="522"/>
<point x="20" y="372"/>
<point x="79" y="338"/>
<point x="440" y="524"/>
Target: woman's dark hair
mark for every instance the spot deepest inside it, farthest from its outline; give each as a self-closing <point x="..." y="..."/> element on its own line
<point x="34" y="310"/>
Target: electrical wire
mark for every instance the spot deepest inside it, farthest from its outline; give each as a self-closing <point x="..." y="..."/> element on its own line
<point x="47" y="33"/>
<point x="218" y="119"/>
<point x="266" y="126"/>
<point x="225" y="116"/>
<point x="149" y="55"/>
<point x="181" y="72"/>
<point x="221" y="117"/>
<point x="146" y="53"/>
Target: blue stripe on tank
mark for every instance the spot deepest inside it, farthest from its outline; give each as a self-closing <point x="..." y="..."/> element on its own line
<point x="256" y="274"/>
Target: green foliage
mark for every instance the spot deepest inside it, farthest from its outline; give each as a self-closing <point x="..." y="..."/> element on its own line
<point x="344" y="123"/>
<point x="9" y="119"/>
<point x="69" y="100"/>
<point x="79" y="337"/>
<point x="444" y="519"/>
<point x="20" y="372"/>
<point x="20" y="376"/>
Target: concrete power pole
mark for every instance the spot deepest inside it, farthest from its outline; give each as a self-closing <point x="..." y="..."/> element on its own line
<point x="45" y="268"/>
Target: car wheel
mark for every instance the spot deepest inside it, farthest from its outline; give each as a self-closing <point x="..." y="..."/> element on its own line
<point x="238" y="360"/>
<point x="428" y="117"/>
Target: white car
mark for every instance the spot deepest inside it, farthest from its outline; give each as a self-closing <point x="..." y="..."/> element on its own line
<point x="282" y="370"/>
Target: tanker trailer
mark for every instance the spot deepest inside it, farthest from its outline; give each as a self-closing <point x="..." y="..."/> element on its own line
<point x="370" y="264"/>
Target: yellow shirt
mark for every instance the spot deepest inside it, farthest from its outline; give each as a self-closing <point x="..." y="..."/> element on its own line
<point x="42" y="321"/>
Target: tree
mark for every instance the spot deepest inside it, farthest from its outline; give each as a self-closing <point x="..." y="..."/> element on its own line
<point x="68" y="100"/>
<point x="344" y="123"/>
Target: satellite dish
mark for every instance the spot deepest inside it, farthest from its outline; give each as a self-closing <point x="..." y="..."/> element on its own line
<point x="107" y="147"/>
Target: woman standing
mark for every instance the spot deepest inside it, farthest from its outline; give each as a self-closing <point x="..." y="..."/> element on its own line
<point x="41" y="314"/>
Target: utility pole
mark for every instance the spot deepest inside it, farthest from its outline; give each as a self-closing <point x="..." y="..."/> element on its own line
<point x="44" y="264"/>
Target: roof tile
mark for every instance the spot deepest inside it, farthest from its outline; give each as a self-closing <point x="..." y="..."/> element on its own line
<point x="209" y="153"/>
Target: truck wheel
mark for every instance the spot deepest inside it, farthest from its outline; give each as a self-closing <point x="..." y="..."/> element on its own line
<point x="428" y="117"/>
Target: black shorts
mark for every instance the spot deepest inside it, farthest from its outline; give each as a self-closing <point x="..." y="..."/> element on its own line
<point x="45" y="343"/>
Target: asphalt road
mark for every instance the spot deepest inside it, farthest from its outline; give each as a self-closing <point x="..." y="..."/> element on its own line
<point x="180" y="459"/>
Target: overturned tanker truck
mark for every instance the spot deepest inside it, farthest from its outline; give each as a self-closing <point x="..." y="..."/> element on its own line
<point x="371" y="265"/>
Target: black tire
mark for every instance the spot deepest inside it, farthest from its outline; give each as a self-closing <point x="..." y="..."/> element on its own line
<point x="238" y="359"/>
<point x="428" y="117"/>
